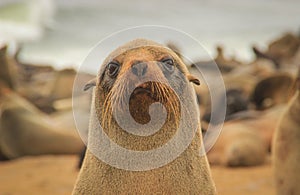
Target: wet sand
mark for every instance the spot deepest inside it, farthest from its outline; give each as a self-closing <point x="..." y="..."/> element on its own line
<point x="50" y="175"/>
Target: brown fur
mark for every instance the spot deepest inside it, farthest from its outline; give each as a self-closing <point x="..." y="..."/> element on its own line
<point x="245" y="140"/>
<point x="224" y="64"/>
<point x="286" y="145"/>
<point x="43" y="88"/>
<point x="238" y="145"/>
<point x="24" y="130"/>
<point x="7" y="69"/>
<point x="187" y="174"/>
<point x="62" y="85"/>
<point x="275" y="89"/>
<point x="284" y="48"/>
<point x="266" y="123"/>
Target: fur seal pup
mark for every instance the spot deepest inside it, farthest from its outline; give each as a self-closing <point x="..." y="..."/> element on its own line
<point x="188" y="173"/>
<point x="286" y="145"/>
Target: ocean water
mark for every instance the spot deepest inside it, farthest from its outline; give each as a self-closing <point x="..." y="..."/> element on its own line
<point x="62" y="32"/>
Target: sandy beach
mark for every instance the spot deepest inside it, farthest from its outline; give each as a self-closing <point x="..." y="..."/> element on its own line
<point x="50" y="175"/>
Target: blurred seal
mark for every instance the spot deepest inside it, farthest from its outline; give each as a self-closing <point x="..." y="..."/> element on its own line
<point x="286" y="144"/>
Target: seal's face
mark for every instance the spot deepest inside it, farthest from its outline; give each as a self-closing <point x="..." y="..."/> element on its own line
<point x="133" y="79"/>
<point x="148" y="71"/>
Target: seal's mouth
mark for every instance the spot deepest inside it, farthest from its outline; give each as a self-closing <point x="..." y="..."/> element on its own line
<point x="148" y="89"/>
<point x="143" y="96"/>
<point x="140" y="100"/>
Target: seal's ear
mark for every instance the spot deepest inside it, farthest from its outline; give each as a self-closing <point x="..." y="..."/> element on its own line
<point x="193" y="79"/>
<point x="91" y="83"/>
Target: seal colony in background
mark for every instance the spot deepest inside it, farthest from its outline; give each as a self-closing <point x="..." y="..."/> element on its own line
<point x="35" y="111"/>
<point x="189" y="173"/>
<point x="24" y="129"/>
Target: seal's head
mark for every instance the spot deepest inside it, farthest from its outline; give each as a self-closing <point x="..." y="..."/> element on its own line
<point x="134" y="77"/>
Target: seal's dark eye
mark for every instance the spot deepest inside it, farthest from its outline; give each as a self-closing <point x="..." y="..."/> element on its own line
<point x="113" y="68"/>
<point x="169" y="63"/>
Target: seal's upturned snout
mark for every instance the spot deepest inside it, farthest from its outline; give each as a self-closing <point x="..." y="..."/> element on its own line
<point x="139" y="68"/>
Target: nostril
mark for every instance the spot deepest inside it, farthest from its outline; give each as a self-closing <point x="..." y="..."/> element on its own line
<point x="139" y="69"/>
<point x="134" y="70"/>
<point x="144" y="69"/>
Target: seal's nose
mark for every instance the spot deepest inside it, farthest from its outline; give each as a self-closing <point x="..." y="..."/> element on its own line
<point x="139" y="69"/>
